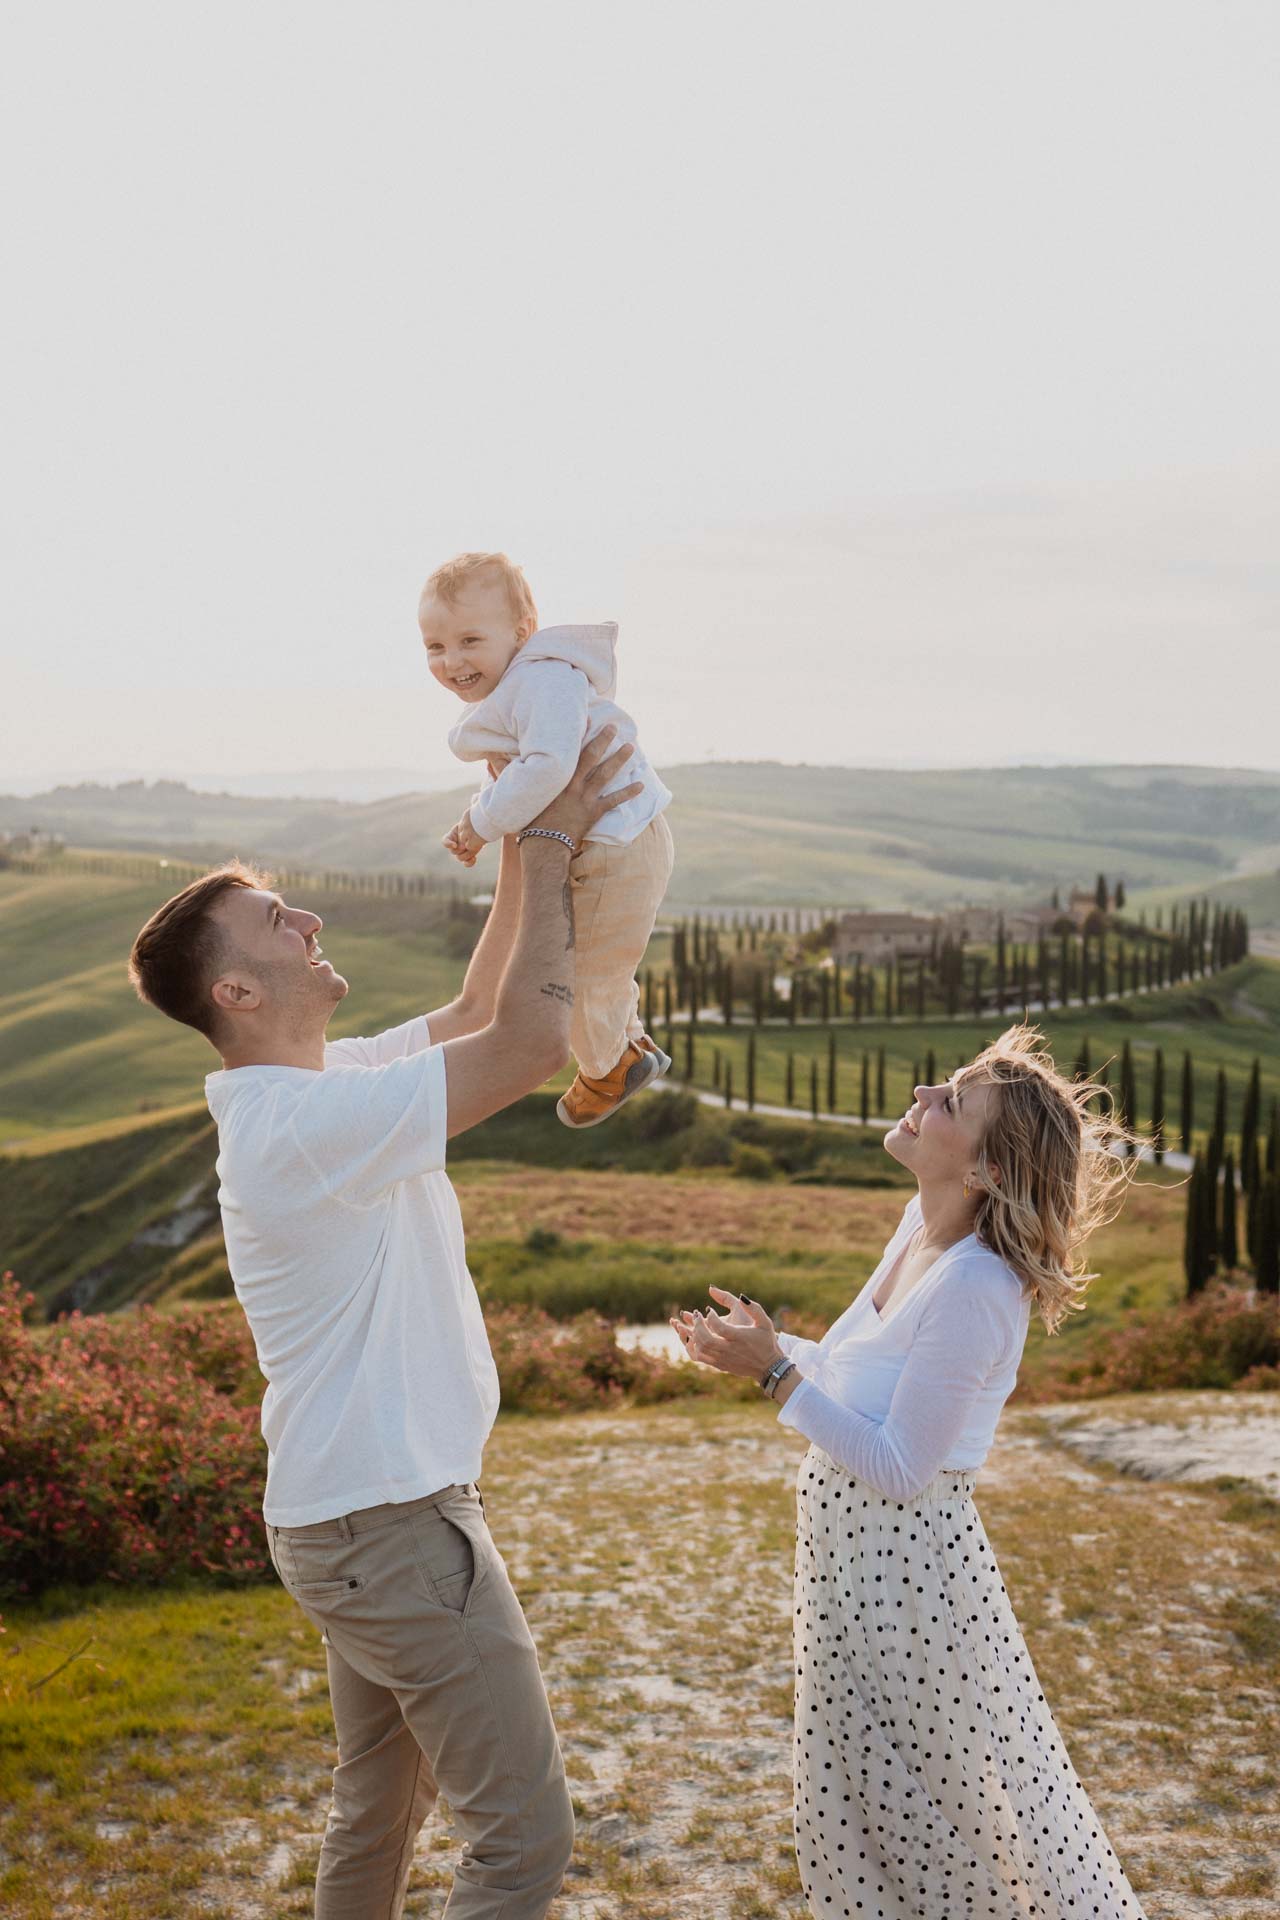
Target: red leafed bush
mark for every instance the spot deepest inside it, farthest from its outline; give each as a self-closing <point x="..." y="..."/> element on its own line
<point x="1223" y="1337"/>
<point x="118" y="1460"/>
<point x="130" y="1447"/>
<point x="552" y="1366"/>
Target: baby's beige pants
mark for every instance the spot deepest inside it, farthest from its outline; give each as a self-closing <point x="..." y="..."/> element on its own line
<point x="616" y="895"/>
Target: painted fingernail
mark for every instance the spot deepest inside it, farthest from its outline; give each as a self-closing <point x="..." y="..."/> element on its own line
<point x="742" y="1297"/>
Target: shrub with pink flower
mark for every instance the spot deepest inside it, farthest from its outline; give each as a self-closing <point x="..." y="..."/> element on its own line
<point x="1226" y="1336"/>
<point x="130" y="1447"/>
<point x="118" y="1461"/>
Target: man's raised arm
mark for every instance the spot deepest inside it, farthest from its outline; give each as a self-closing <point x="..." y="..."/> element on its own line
<point x="527" y="1039"/>
<point x="478" y="996"/>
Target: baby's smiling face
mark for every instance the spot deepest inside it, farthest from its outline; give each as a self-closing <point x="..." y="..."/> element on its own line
<point x="471" y="643"/>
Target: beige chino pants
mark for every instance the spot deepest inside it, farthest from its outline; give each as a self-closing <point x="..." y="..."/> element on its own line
<point x="616" y="895"/>
<point x="435" y="1687"/>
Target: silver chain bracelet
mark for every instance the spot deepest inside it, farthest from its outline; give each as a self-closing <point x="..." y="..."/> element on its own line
<point x="547" y="833"/>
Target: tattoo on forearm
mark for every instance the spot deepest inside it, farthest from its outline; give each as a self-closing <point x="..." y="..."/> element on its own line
<point x="556" y="990"/>
<point x="567" y="900"/>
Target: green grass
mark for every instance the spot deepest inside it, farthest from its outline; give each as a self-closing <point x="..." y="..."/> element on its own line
<point x="198" y="1724"/>
<point x="76" y="1045"/>
<point x="758" y="832"/>
<point x="1223" y="1022"/>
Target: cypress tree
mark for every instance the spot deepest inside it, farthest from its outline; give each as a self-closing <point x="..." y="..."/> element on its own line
<point x="1228" y="1245"/>
<point x="666" y="994"/>
<point x="690" y="1041"/>
<point x="824" y="996"/>
<point x="1207" y="1224"/>
<point x="1157" y="1106"/>
<point x="1191" y="1231"/>
<point x="1064" y="969"/>
<point x="831" y="1073"/>
<point x="1188" y="1104"/>
<point x="793" y="1002"/>
<point x="1273" y="1137"/>
<point x="1128" y="1088"/>
<point x="727" y="1002"/>
<point x="1218" y="1133"/>
<point x="728" y="1083"/>
<point x="1100" y="893"/>
<point x="1267" y="1264"/>
<point x="880" y="1080"/>
<point x="1102" y="966"/>
<point x="790" y="1093"/>
<point x="1251" y="1113"/>
<point x="751" y="1072"/>
<point x="813" y="1087"/>
<point x="1119" y="895"/>
<point x="866" y="1089"/>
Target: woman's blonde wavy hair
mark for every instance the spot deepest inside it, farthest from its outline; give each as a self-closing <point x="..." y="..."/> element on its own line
<point x="1051" y="1139"/>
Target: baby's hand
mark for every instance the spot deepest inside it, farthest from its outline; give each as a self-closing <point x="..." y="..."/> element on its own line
<point x="463" y="842"/>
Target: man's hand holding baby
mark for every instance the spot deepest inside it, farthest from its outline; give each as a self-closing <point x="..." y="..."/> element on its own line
<point x="463" y="842"/>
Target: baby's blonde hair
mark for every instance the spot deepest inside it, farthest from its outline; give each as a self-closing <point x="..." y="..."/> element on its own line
<point x="449" y="581"/>
<point x="1058" y="1179"/>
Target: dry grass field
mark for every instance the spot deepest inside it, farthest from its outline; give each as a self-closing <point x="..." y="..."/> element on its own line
<point x="179" y="1764"/>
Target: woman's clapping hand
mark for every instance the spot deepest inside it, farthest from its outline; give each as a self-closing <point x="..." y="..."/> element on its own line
<point x="741" y="1340"/>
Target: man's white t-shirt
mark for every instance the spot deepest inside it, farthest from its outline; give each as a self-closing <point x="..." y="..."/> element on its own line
<point x="346" y="1250"/>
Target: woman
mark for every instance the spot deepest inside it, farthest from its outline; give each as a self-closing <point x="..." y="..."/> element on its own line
<point x="930" y="1780"/>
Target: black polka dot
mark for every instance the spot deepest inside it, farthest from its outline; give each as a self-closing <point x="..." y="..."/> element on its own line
<point x="931" y="1782"/>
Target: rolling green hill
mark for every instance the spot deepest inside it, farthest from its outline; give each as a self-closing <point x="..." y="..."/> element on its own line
<point x="76" y="1045"/>
<point x="107" y="1190"/>
<point x="766" y="834"/>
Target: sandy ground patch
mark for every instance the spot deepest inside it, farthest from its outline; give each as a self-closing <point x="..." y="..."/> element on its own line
<point x="653" y="1552"/>
<point x="1177" y="1436"/>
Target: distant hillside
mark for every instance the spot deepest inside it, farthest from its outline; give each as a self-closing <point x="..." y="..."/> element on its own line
<point x="76" y="1045"/>
<point x="772" y="835"/>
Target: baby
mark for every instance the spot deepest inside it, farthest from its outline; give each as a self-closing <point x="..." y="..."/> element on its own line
<point x="533" y="698"/>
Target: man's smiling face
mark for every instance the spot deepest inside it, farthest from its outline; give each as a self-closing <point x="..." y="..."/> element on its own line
<point x="273" y="961"/>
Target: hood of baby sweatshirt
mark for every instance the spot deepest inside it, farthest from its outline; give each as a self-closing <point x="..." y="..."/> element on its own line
<point x="592" y="649"/>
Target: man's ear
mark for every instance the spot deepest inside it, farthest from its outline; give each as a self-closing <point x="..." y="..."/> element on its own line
<point x="234" y="994"/>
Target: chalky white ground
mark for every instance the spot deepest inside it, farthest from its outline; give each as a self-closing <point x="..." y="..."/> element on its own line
<point x="655" y="1550"/>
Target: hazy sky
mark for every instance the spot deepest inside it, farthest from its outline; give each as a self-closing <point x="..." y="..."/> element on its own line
<point x="903" y="379"/>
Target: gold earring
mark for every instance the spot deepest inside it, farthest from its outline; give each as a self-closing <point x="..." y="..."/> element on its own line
<point x="966" y="1189"/>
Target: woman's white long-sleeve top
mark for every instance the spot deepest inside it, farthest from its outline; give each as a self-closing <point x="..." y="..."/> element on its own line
<point x="895" y="1398"/>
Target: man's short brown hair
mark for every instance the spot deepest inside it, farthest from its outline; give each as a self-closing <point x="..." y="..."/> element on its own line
<point x="177" y="955"/>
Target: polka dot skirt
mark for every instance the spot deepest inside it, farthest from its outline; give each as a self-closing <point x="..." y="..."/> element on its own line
<point x="930" y="1780"/>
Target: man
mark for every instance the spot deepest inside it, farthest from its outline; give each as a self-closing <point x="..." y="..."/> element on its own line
<point x="345" y="1245"/>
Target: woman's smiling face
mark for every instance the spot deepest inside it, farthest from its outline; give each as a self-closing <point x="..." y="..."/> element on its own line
<point x="939" y="1135"/>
